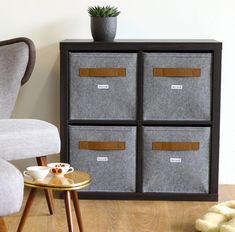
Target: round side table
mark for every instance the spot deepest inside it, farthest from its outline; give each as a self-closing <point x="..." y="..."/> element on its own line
<point x="67" y="184"/>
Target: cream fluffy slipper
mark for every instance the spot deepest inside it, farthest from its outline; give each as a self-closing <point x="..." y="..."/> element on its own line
<point x="228" y="226"/>
<point x="230" y="204"/>
<point x="210" y="222"/>
<point x="228" y="212"/>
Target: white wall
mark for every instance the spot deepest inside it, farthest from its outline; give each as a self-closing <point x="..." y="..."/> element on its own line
<point x="48" y="22"/>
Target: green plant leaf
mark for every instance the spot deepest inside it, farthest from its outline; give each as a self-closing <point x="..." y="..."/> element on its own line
<point x="103" y="11"/>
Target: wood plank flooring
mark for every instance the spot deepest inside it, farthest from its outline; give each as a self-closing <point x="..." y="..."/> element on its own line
<point x="118" y="216"/>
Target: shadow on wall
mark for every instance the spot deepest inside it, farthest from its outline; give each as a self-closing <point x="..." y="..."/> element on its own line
<point x="46" y="106"/>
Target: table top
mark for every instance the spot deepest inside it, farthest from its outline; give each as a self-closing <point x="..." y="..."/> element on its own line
<point x="72" y="181"/>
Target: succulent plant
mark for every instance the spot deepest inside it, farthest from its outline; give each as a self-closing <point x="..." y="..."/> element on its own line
<point x="103" y="11"/>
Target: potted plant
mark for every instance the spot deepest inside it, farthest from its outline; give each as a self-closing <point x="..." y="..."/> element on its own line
<point x="103" y="22"/>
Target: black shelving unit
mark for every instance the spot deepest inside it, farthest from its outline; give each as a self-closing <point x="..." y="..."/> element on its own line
<point x="141" y="46"/>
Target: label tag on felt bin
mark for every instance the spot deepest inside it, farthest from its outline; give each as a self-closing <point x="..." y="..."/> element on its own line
<point x="102" y="86"/>
<point x="175" y="160"/>
<point x="102" y="159"/>
<point x="176" y="86"/>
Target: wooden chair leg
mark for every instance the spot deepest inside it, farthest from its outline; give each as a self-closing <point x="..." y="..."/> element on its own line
<point x="42" y="161"/>
<point x="27" y="208"/>
<point x="77" y="209"/>
<point x="3" y="227"/>
<point x="67" y="201"/>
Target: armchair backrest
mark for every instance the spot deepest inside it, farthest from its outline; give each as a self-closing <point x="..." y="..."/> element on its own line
<point x="17" y="59"/>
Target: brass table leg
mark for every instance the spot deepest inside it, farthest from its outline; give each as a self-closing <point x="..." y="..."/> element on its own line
<point x="67" y="201"/>
<point x="42" y="161"/>
<point x="27" y="208"/>
<point x="77" y="209"/>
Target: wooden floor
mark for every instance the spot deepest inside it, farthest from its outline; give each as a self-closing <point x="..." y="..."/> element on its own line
<point x="119" y="216"/>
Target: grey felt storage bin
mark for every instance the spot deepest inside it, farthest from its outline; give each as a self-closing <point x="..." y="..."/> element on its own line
<point x="108" y="153"/>
<point x="102" y="86"/>
<point x="177" y="86"/>
<point x="176" y="159"/>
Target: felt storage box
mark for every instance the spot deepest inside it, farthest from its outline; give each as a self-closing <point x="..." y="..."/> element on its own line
<point x="176" y="159"/>
<point x="177" y="86"/>
<point x="102" y="86"/>
<point x="108" y="153"/>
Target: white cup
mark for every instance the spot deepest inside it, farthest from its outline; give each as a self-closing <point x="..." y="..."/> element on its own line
<point x="37" y="172"/>
<point x="60" y="169"/>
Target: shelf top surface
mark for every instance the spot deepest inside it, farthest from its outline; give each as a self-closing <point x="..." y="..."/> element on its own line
<point x="90" y="41"/>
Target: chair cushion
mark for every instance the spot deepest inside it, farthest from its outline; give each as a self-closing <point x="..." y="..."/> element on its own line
<point x="11" y="191"/>
<point x="26" y="138"/>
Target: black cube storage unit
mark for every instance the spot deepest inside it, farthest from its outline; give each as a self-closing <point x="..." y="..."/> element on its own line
<point x="143" y="117"/>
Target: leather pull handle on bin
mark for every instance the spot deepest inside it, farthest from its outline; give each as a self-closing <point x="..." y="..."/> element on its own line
<point x="105" y="145"/>
<point x="176" y="146"/>
<point x="176" y="72"/>
<point x="102" y="72"/>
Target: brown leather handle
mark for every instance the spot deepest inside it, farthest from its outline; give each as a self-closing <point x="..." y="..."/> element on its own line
<point x="104" y="145"/>
<point x="177" y="72"/>
<point x="176" y="146"/>
<point x="102" y="72"/>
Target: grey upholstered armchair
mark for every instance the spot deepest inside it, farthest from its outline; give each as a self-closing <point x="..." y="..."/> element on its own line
<point x="19" y="138"/>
